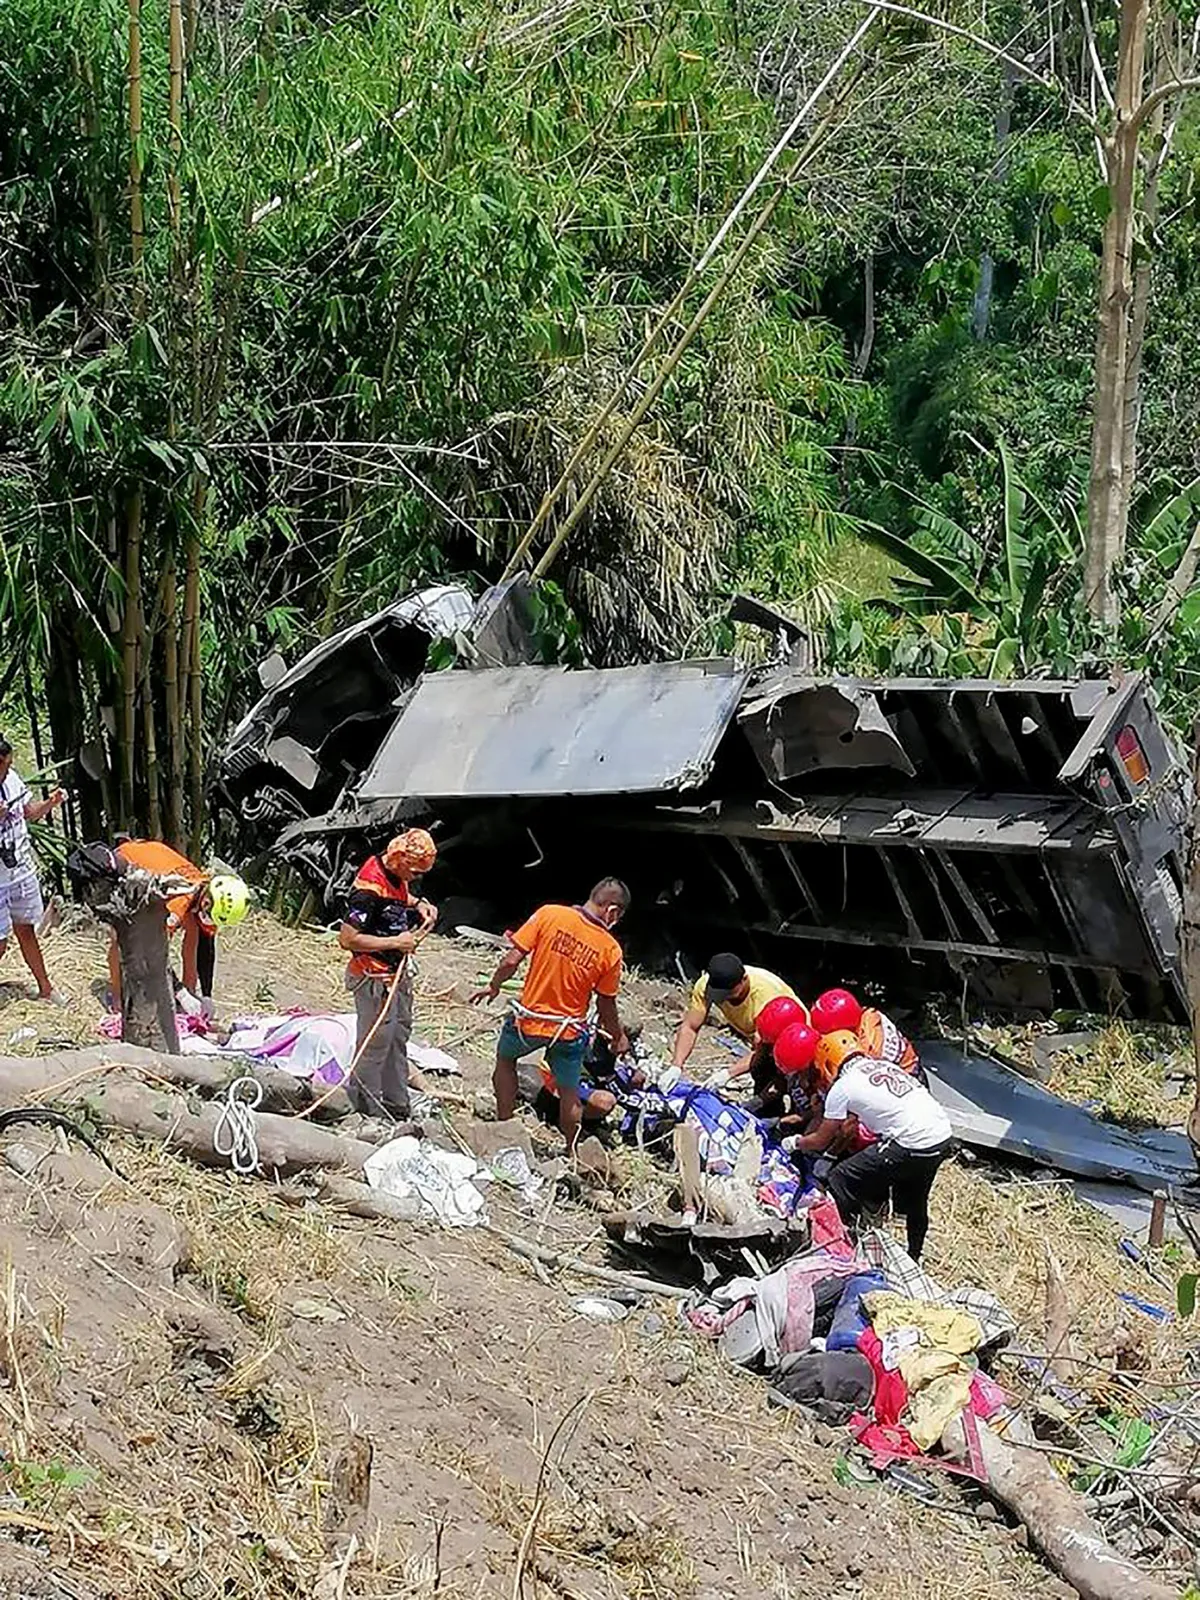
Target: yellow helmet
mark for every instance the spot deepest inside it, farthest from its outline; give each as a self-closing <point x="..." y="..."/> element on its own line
<point x="230" y="900"/>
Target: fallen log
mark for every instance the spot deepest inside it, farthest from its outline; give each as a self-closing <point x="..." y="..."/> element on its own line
<point x="39" y="1077"/>
<point x="1054" y="1517"/>
<point x="285" y="1144"/>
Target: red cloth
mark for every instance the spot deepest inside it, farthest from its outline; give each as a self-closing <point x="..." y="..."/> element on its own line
<point x="883" y="1445"/>
<point x="891" y="1392"/>
<point x="987" y="1397"/>
<point x="828" y="1229"/>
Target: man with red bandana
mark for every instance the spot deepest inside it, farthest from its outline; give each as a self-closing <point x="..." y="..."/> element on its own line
<point x="385" y="923"/>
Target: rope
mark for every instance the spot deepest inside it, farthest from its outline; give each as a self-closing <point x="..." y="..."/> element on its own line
<point x="374" y="1029"/>
<point x="234" y="1135"/>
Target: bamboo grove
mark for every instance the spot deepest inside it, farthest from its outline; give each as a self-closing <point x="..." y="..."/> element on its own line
<point x="302" y="302"/>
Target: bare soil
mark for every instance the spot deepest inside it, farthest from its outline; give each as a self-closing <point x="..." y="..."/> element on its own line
<point x="183" y="1354"/>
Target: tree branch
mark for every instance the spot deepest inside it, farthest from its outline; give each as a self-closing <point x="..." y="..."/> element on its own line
<point x="1053" y="84"/>
<point x="1156" y="97"/>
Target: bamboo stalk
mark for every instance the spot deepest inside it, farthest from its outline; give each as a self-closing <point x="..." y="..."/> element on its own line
<point x="679" y="349"/>
<point x="171" y="706"/>
<point x="192" y="667"/>
<point x="693" y="276"/>
<point x="137" y="220"/>
<point x="130" y="630"/>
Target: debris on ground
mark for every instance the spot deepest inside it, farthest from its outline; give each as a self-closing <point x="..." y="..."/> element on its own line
<point x="181" y="1340"/>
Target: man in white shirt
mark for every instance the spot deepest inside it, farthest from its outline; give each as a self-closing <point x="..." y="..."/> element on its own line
<point x="913" y="1134"/>
<point x="21" y="906"/>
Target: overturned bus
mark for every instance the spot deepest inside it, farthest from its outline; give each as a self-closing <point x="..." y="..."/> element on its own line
<point x="1015" y="842"/>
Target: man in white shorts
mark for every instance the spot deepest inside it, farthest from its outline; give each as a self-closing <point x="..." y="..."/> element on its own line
<point x="21" y="907"/>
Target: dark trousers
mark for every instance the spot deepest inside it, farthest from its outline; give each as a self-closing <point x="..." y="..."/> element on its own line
<point x="864" y="1181"/>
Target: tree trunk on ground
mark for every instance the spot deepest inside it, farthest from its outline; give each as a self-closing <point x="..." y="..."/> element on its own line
<point x="1108" y="492"/>
<point x="1189" y="943"/>
<point x="135" y="907"/>
<point x="1053" y="1515"/>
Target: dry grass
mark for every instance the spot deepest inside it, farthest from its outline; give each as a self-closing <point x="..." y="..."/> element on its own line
<point x="1122" y="1070"/>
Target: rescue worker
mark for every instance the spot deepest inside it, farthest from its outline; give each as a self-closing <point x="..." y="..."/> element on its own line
<point x="838" y="1009"/>
<point x="204" y="903"/>
<point x="572" y="957"/>
<point x="739" y="993"/>
<point x="913" y="1138"/>
<point x="770" y="1073"/>
<point x="384" y="925"/>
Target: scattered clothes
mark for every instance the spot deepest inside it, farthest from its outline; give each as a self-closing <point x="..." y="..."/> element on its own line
<point x="193" y="1031"/>
<point x="832" y="1385"/>
<point x="891" y="1395"/>
<point x="440" y="1179"/>
<point x="828" y="1229"/>
<point x="988" y="1399"/>
<point x="907" y="1278"/>
<point x="899" y="1343"/>
<point x="827" y="1294"/>
<point x="936" y="1403"/>
<point x="784" y="1307"/>
<point x="883" y="1442"/>
<point x="944" y="1327"/>
<point x="317" y="1045"/>
<point x="850" y="1318"/>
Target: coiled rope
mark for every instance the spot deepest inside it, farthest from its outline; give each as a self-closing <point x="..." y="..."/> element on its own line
<point x="234" y="1135"/>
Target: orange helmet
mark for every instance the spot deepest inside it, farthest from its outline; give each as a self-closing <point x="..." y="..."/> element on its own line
<point x="834" y="1049"/>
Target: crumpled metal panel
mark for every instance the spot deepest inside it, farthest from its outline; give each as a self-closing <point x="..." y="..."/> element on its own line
<point x="994" y="1108"/>
<point x="811" y="727"/>
<point x="439" y="611"/>
<point x="542" y="731"/>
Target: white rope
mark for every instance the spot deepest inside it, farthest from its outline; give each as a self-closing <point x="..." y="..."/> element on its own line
<point x="234" y="1135"/>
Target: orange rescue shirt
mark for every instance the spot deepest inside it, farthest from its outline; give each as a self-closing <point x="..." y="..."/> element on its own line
<point x="572" y="957"/>
<point x="882" y="1039"/>
<point x="154" y="856"/>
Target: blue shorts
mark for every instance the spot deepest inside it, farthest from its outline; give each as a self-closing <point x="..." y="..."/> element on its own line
<point x="565" y="1057"/>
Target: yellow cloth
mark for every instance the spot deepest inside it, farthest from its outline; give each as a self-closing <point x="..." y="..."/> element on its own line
<point x="939" y="1402"/>
<point x="944" y="1327"/>
<point x="742" y="1016"/>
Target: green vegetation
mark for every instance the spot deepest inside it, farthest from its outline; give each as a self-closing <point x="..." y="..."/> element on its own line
<point x="303" y="302"/>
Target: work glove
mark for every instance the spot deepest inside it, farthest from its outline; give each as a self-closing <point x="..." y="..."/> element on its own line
<point x="789" y="1144"/>
<point x="188" y="1003"/>
<point x="667" y="1079"/>
<point x="718" y="1079"/>
<point x="207" y="1009"/>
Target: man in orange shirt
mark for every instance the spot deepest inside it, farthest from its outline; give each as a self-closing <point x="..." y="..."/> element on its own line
<point x="572" y="956"/>
<point x="210" y="903"/>
<point x="385" y="922"/>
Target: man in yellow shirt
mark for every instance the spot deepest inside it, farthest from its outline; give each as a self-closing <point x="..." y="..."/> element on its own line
<point x="739" y="993"/>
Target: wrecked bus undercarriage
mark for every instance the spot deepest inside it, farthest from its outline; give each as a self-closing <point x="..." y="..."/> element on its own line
<point x="1016" y="841"/>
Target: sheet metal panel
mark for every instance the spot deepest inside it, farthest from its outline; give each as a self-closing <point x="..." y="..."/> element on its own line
<point x="994" y="1108"/>
<point x="541" y="731"/>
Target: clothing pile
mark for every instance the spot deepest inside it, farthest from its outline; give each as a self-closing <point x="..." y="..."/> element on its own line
<point x="865" y="1337"/>
<point x="782" y="1187"/>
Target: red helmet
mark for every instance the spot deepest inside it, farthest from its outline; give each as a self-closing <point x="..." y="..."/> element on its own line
<point x="836" y="1009"/>
<point x="796" y="1047"/>
<point x="777" y="1015"/>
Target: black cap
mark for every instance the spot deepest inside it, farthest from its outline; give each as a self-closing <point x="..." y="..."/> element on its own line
<point x="725" y="972"/>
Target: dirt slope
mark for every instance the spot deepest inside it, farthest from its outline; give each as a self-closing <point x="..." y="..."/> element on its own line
<point x="185" y="1353"/>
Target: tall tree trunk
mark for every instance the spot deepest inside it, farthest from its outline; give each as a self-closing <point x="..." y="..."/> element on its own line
<point x="982" y="309"/>
<point x="172" y="711"/>
<point x="137" y="220"/>
<point x="192" y="665"/>
<point x="1108" y="493"/>
<point x="130" y="635"/>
